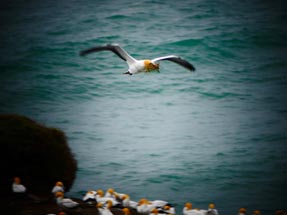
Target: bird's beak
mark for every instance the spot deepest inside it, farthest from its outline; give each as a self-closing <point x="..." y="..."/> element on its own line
<point x="154" y="66"/>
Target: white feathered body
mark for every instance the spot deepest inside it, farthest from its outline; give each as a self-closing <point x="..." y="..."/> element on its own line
<point x="159" y="203"/>
<point x="144" y="208"/>
<point x="212" y="212"/>
<point x="193" y="212"/>
<point x="18" y="188"/>
<point x="90" y="196"/>
<point x="104" y="200"/>
<point x="104" y="211"/>
<point x="170" y="211"/>
<point x="57" y="189"/>
<point x="66" y="202"/>
<point x="137" y="67"/>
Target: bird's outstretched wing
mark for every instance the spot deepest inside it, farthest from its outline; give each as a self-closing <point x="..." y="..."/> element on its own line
<point x="177" y="60"/>
<point x="111" y="47"/>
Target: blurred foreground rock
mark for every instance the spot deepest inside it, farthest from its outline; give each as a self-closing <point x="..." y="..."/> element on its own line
<point x="39" y="155"/>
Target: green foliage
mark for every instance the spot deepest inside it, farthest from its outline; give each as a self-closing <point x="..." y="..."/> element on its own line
<point x="40" y="156"/>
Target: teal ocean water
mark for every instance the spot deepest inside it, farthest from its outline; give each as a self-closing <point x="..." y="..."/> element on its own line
<point x="215" y="135"/>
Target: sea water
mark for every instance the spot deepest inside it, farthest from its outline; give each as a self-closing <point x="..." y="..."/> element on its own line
<point x="214" y="135"/>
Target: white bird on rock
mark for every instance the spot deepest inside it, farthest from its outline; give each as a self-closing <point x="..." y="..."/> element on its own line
<point x="90" y="197"/>
<point x="105" y="209"/>
<point x="59" y="187"/>
<point x="17" y="187"/>
<point x="212" y="210"/>
<point x="163" y="206"/>
<point x="126" y="202"/>
<point x="187" y="210"/>
<point x="65" y="202"/>
<point x="137" y="66"/>
<point x="144" y="206"/>
<point x="110" y="193"/>
<point x="169" y="209"/>
<point x="101" y="199"/>
<point x="159" y="203"/>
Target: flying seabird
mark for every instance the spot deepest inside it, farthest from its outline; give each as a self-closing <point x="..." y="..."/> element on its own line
<point x="137" y="66"/>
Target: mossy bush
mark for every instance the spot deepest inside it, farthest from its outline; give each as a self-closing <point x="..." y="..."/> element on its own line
<point x="39" y="155"/>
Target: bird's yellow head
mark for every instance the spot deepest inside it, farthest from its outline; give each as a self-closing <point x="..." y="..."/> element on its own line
<point x="59" y="183"/>
<point x="99" y="205"/>
<point x="111" y="191"/>
<point x="242" y="210"/>
<point x="142" y="201"/>
<point x="150" y="66"/>
<point x="257" y="212"/>
<point x="125" y="197"/>
<point x="109" y="204"/>
<point x="188" y="205"/>
<point x="166" y="207"/>
<point x="100" y="192"/>
<point x="154" y="211"/>
<point x="211" y="206"/>
<point x="126" y="211"/>
<point x="17" y="180"/>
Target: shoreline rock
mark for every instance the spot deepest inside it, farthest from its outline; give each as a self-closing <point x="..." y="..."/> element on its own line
<point x="26" y="206"/>
<point x="39" y="155"/>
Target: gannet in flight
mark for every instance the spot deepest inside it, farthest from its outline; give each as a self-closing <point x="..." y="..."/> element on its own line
<point x="137" y="66"/>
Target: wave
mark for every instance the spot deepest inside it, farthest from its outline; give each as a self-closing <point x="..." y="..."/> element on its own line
<point x="186" y="42"/>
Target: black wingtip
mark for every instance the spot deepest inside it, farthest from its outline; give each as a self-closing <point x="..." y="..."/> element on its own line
<point x="84" y="52"/>
<point x="191" y="67"/>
